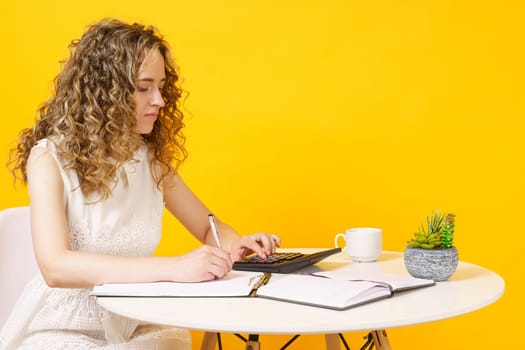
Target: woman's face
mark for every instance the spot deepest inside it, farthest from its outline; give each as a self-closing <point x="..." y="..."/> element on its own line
<point x="148" y="97"/>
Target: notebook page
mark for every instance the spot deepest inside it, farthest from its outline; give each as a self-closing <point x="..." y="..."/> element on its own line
<point x="236" y="283"/>
<point x="319" y="291"/>
<point x="352" y="273"/>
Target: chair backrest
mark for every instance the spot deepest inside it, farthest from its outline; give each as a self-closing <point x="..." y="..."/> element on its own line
<point x="17" y="259"/>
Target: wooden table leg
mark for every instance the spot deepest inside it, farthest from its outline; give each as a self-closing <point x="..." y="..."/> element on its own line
<point x="332" y="342"/>
<point x="381" y="340"/>
<point x="209" y="341"/>
<point x="253" y="342"/>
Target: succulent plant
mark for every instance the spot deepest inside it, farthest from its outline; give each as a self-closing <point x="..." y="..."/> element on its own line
<point x="447" y="231"/>
<point x="438" y="233"/>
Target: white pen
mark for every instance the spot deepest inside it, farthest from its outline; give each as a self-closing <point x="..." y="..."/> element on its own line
<point x="214" y="230"/>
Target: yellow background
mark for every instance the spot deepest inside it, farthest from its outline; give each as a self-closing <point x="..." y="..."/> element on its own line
<point x="305" y="118"/>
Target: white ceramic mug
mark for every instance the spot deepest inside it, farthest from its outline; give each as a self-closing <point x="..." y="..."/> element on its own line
<point x="362" y="244"/>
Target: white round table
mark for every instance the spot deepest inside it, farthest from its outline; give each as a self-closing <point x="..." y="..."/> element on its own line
<point x="470" y="288"/>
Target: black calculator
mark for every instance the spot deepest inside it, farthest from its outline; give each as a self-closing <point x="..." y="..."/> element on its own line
<point x="282" y="262"/>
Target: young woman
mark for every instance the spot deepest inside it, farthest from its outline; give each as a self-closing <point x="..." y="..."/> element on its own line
<point x="101" y="165"/>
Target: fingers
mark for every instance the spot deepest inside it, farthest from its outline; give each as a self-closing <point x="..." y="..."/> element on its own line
<point x="277" y="240"/>
<point x="208" y="262"/>
<point x="216" y="262"/>
<point x="262" y="244"/>
<point x="273" y="242"/>
<point x="267" y="242"/>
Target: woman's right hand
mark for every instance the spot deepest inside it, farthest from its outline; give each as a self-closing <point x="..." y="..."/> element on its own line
<point x="202" y="264"/>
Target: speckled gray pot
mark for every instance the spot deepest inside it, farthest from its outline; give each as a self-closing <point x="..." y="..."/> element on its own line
<point x="434" y="264"/>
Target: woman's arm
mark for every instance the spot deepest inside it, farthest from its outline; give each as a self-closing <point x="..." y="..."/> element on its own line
<point x="193" y="214"/>
<point x="63" y="267"/>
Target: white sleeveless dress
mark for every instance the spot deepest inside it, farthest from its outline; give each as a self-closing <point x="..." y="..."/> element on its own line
<point x="128" y="223"/>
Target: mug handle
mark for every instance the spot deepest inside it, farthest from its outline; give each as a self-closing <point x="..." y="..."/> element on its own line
<point x="336" y="237"/>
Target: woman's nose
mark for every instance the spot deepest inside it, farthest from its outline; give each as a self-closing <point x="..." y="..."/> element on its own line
<point x="157" y="99"/>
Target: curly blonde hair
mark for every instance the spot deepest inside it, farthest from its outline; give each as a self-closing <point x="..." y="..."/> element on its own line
<point x="91" y="116"/>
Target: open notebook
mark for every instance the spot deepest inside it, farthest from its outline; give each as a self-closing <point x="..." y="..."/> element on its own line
<point x="307" y="289"/>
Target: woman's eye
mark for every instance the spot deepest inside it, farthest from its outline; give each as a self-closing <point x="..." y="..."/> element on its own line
<point x="142" y="88"/>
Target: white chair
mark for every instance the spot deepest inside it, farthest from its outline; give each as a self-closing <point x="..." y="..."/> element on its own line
<point x="17" y="260"/>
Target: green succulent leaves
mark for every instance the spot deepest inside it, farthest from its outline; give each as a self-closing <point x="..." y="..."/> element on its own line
<point x="439" y="232"/>
<point x="447" y="231"/>
<point x="425" y="240"/>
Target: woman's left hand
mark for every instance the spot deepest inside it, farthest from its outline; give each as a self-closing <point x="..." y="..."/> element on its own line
<point x="262" y="244"/>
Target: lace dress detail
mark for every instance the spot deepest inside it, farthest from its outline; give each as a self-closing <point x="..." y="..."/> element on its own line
<point x="128" y="223"/>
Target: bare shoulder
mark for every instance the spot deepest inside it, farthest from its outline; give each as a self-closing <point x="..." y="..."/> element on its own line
<point x="40" y="156"/>
<point x="41" y="161"/>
